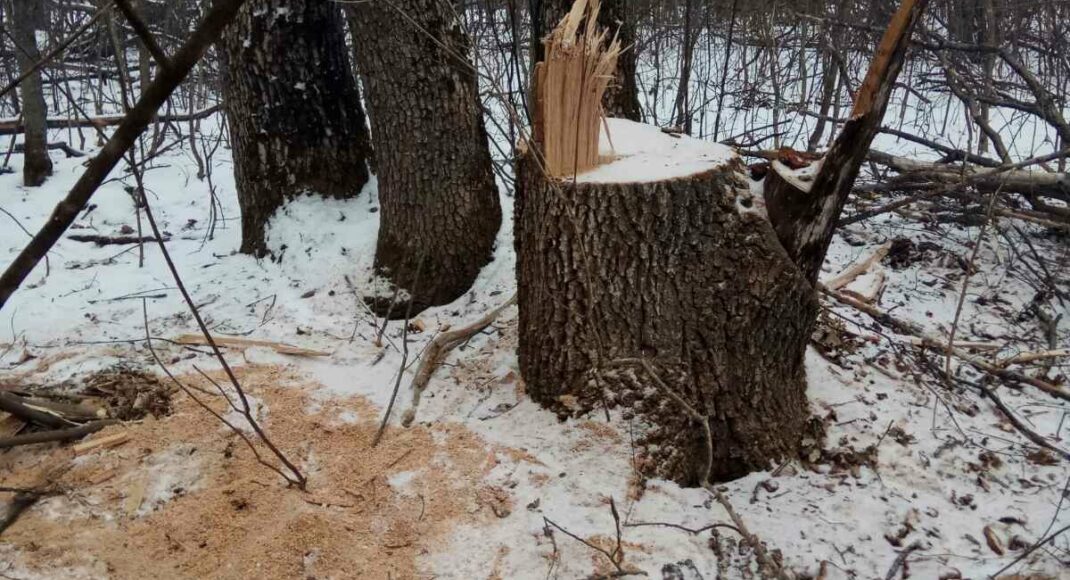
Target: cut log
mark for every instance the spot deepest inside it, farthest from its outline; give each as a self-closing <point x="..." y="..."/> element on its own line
<point x="661" y="256"/>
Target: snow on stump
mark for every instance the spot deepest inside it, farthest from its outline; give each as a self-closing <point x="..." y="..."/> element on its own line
<point x="660" y="256"/>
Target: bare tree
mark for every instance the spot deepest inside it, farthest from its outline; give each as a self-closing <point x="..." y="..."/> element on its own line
<point x="29" y="20"/>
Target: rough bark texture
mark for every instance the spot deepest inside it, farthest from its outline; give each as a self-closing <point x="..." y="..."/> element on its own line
<point x="622" y="98"/>
<point x="440" y="209"/>
<point x="295" y="116"/>
<point x="680" y="273"/>
<point x="28" y="16"/>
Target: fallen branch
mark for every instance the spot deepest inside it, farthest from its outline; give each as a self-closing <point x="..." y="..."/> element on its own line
<point x="926" y="341"/>
<point x="1028" y="357"/>
<point x="436" y="352"/>
<point x="14" y="126"/>
<point x="901" y="560"/>
<point x="102" y="241"/>
<point x="768" y="566"/>
<point x="858" y="268"/>
<point x="54" y="436"/>
<point x="57" y="146"/>
<point x="20" y="408"/>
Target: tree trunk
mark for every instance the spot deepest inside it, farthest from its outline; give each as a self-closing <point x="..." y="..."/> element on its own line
<point x="617" y="16"/>
<point x="680" y="272"/>
<point x="295" y="117"/>
<point x="29" y="17"/>
<point x="440" y="209"/>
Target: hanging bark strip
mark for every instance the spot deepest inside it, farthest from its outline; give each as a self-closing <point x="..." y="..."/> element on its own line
<point x="139" y="117"/>
<point x="805" y="215"/>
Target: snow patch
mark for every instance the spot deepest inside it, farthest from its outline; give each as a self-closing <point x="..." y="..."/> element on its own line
<point x="642" y="153"/>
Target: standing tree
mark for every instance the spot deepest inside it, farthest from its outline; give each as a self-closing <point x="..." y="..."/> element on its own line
<point x="29" y="19"/>
<point x="296" y="121"/>
<point x="440" y="208"/>
<point x="621" y="98"/>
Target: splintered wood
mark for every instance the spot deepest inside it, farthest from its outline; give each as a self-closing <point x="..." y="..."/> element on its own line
<point x="569" y="84"/>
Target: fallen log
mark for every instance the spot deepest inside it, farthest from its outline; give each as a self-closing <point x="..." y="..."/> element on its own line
<point x="57" y="146"/>
<point x="1022" y="181"/>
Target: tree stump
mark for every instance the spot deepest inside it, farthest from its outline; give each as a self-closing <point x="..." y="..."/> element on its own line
<point x="662" y="255"/>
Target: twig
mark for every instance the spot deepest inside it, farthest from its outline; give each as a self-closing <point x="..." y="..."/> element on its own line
<point x="692" y="531"/>
<point x="767" y="564"/>
<point x="189" y="391"/>
<point x="295" y="477"/>
<point x="404" y="357"/>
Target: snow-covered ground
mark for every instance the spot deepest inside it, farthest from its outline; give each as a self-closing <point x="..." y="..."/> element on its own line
<point x="948" y="471"/>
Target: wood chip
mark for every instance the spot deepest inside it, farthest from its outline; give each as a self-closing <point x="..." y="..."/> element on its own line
<point x="104" y="442"/>
<point x="237" y="342"/>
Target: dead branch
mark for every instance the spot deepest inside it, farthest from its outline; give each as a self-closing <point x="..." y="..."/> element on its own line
<point x="102" y="241"/>
<point x="901" y="560"/>
<point x="15" y="126"/>
<point x="858" y="268"/>
<point x="439" y="348"/>
<point x="938" y="345"/>
<point x="768" y="566"/>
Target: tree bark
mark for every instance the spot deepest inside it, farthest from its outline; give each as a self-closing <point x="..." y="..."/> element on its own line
<point x="679" y="273"/>
<point x="440" y="208"/>
<point x="295" y="117"/>
<point x="29" y="17"/>
<point x="617" y="16"/>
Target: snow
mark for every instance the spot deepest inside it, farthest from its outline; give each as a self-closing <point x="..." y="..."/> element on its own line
<point x="78" y="318"/>
<point x="640" y="153"/>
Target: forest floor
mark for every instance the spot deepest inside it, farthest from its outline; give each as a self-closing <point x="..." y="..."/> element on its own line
<point x="486" y="484"/>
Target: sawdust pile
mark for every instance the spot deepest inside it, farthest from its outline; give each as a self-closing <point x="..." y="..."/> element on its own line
<point x="184" y="498"/>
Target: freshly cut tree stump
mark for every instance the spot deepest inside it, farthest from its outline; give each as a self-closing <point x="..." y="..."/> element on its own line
<point x="662" y="255"/>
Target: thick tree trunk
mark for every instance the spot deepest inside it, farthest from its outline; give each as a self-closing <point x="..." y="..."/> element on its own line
<point x="681" y="272"/>
<point x="295" y="117"/>
<point x="29" y="17"/>
<point x="440" y="209"/>
<point x="617" y="16"/>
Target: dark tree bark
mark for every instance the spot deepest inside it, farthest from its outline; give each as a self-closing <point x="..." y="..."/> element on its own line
<point x="295" y="117"/>
<point x="675" y="273"/>
<point x="622" y="98"/>
<point x="440" y="209"/>
<point x="28" y="17"/>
